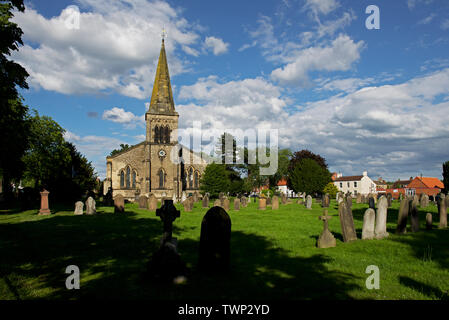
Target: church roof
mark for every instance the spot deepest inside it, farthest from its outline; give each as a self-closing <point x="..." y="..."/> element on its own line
<point x="162" y="96"/>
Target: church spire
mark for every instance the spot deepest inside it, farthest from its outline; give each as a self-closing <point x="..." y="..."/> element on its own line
<point x="162" y="96"/>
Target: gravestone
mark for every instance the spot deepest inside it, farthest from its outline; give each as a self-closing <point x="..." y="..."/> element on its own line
<point x="349" y="201"/>
<point x="429" y="222"/>
<point x="403" y="216"/>
<point x="359" y="198"/>
<point x="90" y="206"/>
<point x="226" y="203"/>
<point x="152" y="203"/>
<point x="442" y="210"/>
<point x="262" y="203"/>
<point x="368" y="224"/>
<point x="215" y="241"/>
<point x="108" y="198"/>
<point x="326" y="238"/>
<point x="221" y="196"/>
<point x="268" y="201"/>
<point x="217" y="203"/>
<point x="414" y="217"/>
<point x="183" y="196"/>
<point x="44" y="210"/>
<point x="119" y="204"/>
<point x="188" y="204"/>
<point x="244" y="202"/>
<point x="325" y="201"/>
<point x="381" y="218"/>
<point x="195" y="197"/>
<point x="205" y="201"/>
<point x="79" y="208"/>
<point x="143" y="202"/>
<point x="347" y="222"/>
<point x="372" y="203"/>
<point x="309" y="202"/>
<point x="389" y="199"/>
<point x="236" y="204"/>
<point x="283" y="198"/>
<point x="168" y="213"/>
<point x="424" y="202"/>
<point x="275" y="203"/>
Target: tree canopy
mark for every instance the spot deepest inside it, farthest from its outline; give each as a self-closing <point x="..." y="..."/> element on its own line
<point x="309" y="177"/>
<point x="214" y="180"/>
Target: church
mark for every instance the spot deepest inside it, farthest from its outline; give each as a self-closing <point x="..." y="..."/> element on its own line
<point x="158" y="165"/>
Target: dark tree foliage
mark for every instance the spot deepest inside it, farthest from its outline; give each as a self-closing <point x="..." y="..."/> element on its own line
<point x="446" y="176"/>
<point x="14" y="127"/>
<point x="123" y="147"/>
<point x="304" y="154"/>
<point x="215" y="180"/>
<point x="309" y="177"/>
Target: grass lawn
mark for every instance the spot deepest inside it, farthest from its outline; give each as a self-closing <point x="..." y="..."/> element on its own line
<point x="273" y="256"/>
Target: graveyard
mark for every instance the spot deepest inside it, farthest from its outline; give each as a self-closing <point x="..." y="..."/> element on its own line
<point x="273" y="255"/>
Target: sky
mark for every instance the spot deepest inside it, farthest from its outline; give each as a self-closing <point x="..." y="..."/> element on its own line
<point x="366" y="99"/>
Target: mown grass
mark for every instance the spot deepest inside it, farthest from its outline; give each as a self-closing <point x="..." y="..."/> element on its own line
<point x="273" y="256"/>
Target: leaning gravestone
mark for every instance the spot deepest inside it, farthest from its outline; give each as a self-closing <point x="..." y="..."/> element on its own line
<point x="215" y="241"/>
<point x="414" y="217"/>
<point x="275" y="203"/>
<point x="402" y="217"/>
<point x="309" y="202"/>
<point x="90" y="206"/>
<point x="79" y="208"/>
<point x="381" y="219"/>
<point x="326" y="238"/>
<point x="119" y="204"/>
<point x="368" y="224"/>
<point x="429" y="222"/>
<point x="143" y="202"/>
<point x="347" y="222"/>
<point x="442" y="210"/>
<point x="205" y="201"/>
<point x="349" y="201"/>
<point x="236" y="204"/>
<point x="152" y="203"/>
<point x="262" y="203"/>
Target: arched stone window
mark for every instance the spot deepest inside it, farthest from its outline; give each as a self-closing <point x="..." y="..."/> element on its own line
<point x="122" y="179"/>
<point x="191" y="178"/>
<point x="157" y="134"/>
<point x="128" y="178"/>
<point x="197" y="180"/>
<point x="167" y="135"/>
<point x="161" y="176"/>
<point x="134" y="179"/>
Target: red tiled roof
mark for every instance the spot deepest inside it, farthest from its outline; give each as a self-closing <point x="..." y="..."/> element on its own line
<point x="432" y="182"/>
<point x="282" y="182"/>
<point x="349" y="178"/>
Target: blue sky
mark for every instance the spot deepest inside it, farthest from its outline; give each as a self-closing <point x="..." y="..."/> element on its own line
<point x="374" y="100"/>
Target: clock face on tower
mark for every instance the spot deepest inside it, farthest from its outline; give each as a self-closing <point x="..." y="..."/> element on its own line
<point x="162" y="153"/>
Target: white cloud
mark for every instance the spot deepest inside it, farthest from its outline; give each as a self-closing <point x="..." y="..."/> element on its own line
<point x="217" y="45"/>
<point x="445" y="24"/>
<point x="427" y="19"/>
<point x="321" y="6"/>
<point x="339" y="56"/>
<point x="115" y="49"/>
<point x="119" y="115"/>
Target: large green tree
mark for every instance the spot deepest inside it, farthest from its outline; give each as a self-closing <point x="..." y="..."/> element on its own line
<point x="446" y="176"/>
<point x="14" y="127"/>
<point x="215" y="180"/>
<point x="298" y="156"/>
<point x="309" y="177"/>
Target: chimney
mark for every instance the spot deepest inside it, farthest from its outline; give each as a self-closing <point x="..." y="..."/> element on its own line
<point x="365" y="173"/>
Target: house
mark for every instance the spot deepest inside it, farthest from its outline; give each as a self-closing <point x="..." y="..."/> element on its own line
<point x="427" y="185"/>
<point x="283" y="188"/>
<point x="381" y="183"/>
<point x="355" y="184"/>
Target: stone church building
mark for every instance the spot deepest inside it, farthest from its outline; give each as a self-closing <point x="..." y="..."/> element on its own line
<point x="158" y="165"/>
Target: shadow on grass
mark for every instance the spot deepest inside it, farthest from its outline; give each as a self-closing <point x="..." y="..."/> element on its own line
<point x="429" y="291"/>
<point x="112" y="251"/>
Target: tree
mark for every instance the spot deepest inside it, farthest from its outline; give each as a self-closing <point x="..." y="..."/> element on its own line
<point x="331" y="189"/>
<point x="446" y="176"/>
<point x="284" y="156"/>
<point x="123" y="147"/>
<point x="309" y="177"/>
<point x="304" y="154"/>
<point x="214" y="180"/>
<point x="14" y="127"/>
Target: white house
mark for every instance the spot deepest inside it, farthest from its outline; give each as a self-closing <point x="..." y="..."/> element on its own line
<point x="355" y="184"/>
<point x="283" y="188"/>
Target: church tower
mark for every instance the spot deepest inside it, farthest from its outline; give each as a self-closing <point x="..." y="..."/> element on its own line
<point x="163" y="177"/>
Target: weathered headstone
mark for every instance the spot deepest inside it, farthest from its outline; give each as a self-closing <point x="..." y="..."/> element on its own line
<point x="215" y="241"/>
<point x="226" y="203"/>
<point x="205" y="201"/>
<point x="381" y="218"/>
<point x="236" y="204"/>
<point x="372" y="203"/>
<point x="275" y="203"/>
<point x="44" y="210"/>
<point x="368" y="224"/>
<point x="143" y="202"/>
<point x="244" y="201"/>
<point x="442" y="210"/>
<point x="283" y="198"/>
<point x="168" y="213"/>
<point x="269" y="201"/>
<point x="359" y="198"/>
<point x="217" y="203"/>
<point x="414" y="217"/>
<point x="152" y="203"/>
<point x="90" y="206"/>
<point x="349" y="201"/>
<point x="309" y="202"/>
<point x="326" y="238"/>
<point x="195" y="197"/>
<point x="262" y="203"/>
<point x="347" y="222"/>
<point x="429" y="221"/>
<point x="188" y="204"/>
<point x="108" y="198"/>
<point x="389" y="199"/>
<point x="424" y="202"/>
<point x="326" y="200"/>
<point x="403" y="216"/>
<point x="79" y="208"/>
<point x="119" y="204"/>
